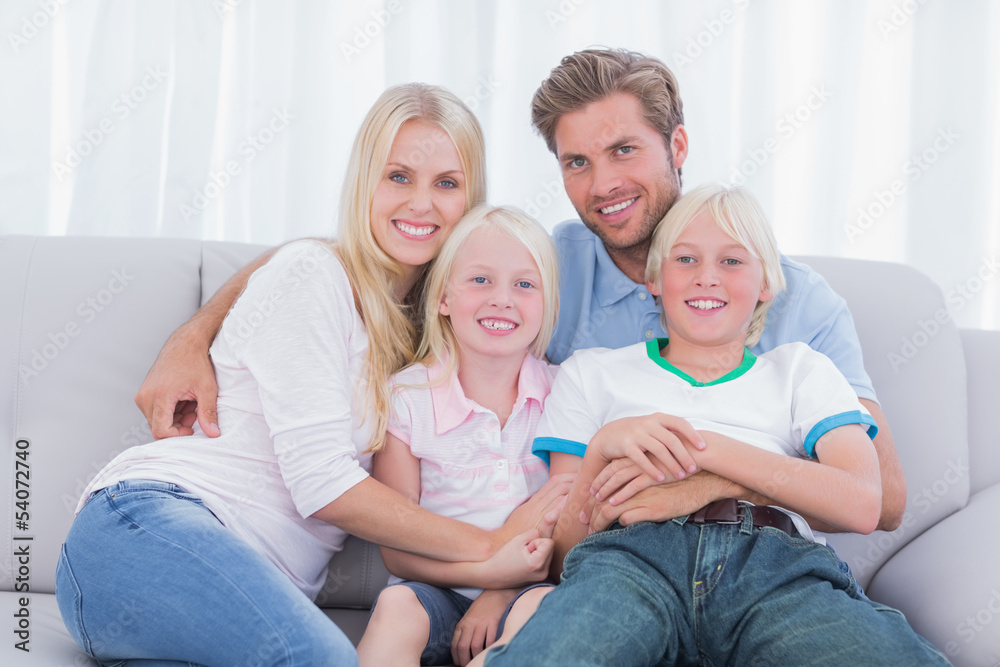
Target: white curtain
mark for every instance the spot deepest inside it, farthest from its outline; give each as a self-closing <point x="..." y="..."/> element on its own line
<point x="868" y="128"/>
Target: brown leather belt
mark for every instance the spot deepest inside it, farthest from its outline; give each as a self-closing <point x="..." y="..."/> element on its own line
<point x="730" y="510"/>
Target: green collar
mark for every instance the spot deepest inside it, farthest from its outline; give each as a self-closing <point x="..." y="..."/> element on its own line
<point x="655" y="346"/>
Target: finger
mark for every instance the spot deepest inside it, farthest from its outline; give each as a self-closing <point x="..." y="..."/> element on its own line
<point x="588" y="510"/>
<point x="619" y="480"/>
<point x="643" y="457"/>
<point x="635" y="515"/>
<point x="460" y="649"/>
<point x="547" y="525"/>
<point x="162" y="424"/>
<point x="208" y="414"/>
<point x="609" y="471"/>
<point x="604" y="515"/>
<point x="683" y="428"/>
<point x="478" y="640"/>
<point x="491" y="635"/>
<point x="629" y="490"/>
<point x="663" y="454"/>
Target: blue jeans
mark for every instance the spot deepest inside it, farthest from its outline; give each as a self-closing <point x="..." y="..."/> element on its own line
<point x="675" y="593"/>
<point x="149" y="576"/>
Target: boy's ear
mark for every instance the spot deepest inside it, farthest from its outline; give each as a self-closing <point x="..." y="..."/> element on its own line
<point x="765" y="293"/>
<point x="653" y="289"/>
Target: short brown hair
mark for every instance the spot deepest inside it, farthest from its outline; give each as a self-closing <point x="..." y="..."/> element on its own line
<point x="594" y="74"/>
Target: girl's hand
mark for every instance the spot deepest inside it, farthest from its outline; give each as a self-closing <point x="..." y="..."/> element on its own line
<point x="525" y="559"/>
<point x="478" y="628"/>
<point x="659" y="438"/>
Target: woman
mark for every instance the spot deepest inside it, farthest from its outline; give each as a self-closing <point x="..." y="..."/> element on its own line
<point x="210" y="550"/>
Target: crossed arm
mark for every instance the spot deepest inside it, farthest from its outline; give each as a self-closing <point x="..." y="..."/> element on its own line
<point x="667" y="501"/>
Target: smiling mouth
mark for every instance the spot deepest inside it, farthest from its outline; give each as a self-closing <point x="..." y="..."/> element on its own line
<point x="497" y="325"/>
<point x="423" y="230"/>
<point x="706" y="304"/>
<point x="621" y="206"/>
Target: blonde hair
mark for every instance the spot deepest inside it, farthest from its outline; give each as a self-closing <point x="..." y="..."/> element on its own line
<point x="392" y="327"/>
<point x="737" y="213"/>
<point x="438" y="341"/>
<point x="594" y="74"/>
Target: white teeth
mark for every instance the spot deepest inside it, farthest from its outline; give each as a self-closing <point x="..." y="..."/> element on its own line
<point x="497" y="325"/>
<point x="414" y="231"/>
<point x="705" y="304"/>
<point x="617" y="207"/>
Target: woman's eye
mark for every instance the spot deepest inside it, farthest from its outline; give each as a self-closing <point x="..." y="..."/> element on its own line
<point x="398" y="178"/>
<point x="449" y="184"/>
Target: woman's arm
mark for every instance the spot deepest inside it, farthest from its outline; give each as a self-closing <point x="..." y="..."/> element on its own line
<point x="449" y="560"/>
<point x="842" y="489"/>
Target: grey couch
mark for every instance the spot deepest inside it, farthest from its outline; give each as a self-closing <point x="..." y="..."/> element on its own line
<point x="81" y="320"/>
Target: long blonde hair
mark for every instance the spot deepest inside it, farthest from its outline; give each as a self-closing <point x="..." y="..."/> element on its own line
<point x="438" y="341"/>
<point x="393" y="327"/>
<point x="737" y="213"/>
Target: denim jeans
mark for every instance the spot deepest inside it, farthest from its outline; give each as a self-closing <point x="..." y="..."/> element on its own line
<point x="149" y="576"/>
<point x="675" y="593"/>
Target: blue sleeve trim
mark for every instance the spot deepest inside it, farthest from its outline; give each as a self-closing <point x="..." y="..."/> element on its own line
<point x="830" y="423"/>
<point x="541" y="447"/>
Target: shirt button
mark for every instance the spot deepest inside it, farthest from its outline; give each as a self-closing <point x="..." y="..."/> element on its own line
<point x="501" y="464"/>
<point x="642" y="296"/>
<point x="649" y="334"/>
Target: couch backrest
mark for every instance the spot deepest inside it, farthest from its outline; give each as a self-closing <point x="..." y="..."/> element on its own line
<point x="913" y="352"/>
<point x="83" y="319"/>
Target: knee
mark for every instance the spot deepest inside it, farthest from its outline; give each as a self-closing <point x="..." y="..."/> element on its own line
<point x="527" y="603"/>
<point x="398" y="608"/>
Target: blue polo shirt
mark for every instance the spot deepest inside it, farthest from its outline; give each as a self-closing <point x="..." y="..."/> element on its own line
<point x="599" y="306"/>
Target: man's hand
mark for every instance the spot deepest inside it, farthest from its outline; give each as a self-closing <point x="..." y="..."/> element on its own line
<point x="663" y="502"/>
<point x="478" y="628"/>
<point x="539" y="511"/>
<point x="179" y="388"/>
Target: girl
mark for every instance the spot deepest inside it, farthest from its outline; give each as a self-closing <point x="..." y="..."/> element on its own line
<point x="210" y="550"/>
<point x="462" y="423"/>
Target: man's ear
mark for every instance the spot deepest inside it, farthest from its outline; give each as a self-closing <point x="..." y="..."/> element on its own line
<point x="679" y="146"/>
<point x="653" y="289"/>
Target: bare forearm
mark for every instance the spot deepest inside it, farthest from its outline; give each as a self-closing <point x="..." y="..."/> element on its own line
<point x="569" y="530"/>
<point x="836" y="494"/>
<point x="436" y="572"/>
<point x="890" y="471"/>
<point x="376" y="513"/>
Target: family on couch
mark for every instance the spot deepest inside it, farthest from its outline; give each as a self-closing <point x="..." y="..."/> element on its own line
<point x="242" y="510"/>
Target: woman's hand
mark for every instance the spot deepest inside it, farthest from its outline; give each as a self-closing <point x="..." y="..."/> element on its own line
<point x="651" y="442"/>
<point x="539" y="511"/>
<point x="478" y="628"/>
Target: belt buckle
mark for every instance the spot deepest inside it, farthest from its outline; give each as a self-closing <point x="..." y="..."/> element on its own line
<point x="725" y="511"/>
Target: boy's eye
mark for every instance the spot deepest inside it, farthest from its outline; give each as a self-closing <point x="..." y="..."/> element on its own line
<point x="733" y="262"/>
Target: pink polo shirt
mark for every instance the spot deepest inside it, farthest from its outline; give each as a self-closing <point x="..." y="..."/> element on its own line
<point x="470" y="468"/>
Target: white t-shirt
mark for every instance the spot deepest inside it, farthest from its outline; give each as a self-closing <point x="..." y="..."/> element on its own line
<point x="289" y="361"/>
<point x="782" y="401"/>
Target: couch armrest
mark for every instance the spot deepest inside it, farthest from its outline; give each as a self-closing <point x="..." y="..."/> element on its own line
<point x="982" y="360"/>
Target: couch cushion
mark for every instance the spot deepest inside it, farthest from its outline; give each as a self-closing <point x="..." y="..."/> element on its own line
<point x="914" y="356"/>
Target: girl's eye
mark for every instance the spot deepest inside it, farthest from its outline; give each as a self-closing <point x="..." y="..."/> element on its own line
<point x="685" y="260"/>
<point x="479" y="280"/>
<point x="524" y="284"/>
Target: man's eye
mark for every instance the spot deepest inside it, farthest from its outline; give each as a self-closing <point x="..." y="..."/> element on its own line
<point x="626" y="149"/>
<point x="577" y="162"/>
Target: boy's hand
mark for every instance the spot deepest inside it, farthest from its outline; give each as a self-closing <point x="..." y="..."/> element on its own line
<point x="525" y="559"/>
<point x="478" y="628"/>
<point x="621" y="479"/>
<point x="657" y="437"/>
